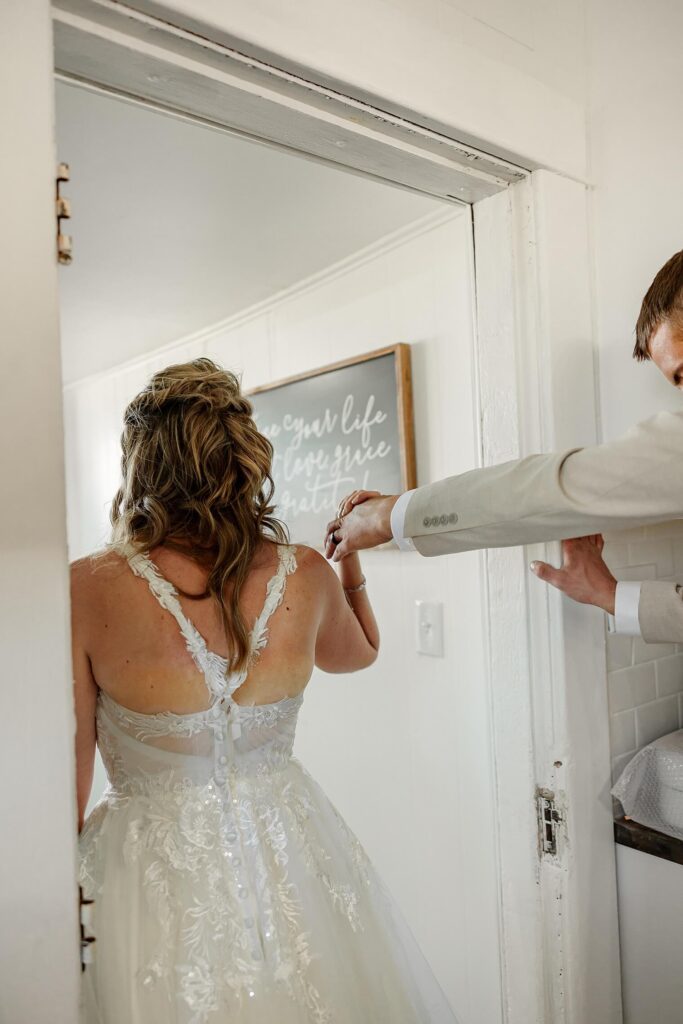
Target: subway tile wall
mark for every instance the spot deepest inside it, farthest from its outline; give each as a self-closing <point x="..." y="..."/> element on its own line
<point x="645" y="681"/>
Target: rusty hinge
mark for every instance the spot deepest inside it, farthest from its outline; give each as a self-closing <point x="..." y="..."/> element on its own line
<point x="63" y="211"/>
<point x="86" y="922"/>
<point x="550" y="822"/>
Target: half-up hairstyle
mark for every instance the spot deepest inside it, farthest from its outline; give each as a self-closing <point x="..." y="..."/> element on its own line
<point x="196" y="476"/>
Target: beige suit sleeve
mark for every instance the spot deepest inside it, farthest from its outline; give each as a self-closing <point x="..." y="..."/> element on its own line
<point x="632" y="481"/>
<point x="660" y="612"/>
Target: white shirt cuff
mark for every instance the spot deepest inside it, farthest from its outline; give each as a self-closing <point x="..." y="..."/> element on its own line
<point x="626" y="601"/>
<point x="398" y="517"/>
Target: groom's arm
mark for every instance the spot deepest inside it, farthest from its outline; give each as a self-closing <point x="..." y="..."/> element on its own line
<point x="632" y="481"/>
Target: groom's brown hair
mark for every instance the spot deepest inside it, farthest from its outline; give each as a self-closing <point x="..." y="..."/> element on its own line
<point x="663" y="300"/>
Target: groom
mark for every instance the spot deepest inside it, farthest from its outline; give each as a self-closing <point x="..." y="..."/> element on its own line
<point x="635" y="480"/>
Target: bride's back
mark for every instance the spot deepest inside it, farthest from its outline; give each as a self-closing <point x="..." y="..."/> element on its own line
<point x="137" y="652"/>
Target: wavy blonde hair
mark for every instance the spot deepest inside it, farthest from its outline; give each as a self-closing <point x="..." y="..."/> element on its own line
<point x="197" y="477"/>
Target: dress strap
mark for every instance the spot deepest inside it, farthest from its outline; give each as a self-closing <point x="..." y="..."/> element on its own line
<point x="213" y="666"/>
<point x="275" y="591"/>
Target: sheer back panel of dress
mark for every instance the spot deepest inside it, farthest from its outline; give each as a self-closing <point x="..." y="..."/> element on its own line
<point x="195" y="732"/>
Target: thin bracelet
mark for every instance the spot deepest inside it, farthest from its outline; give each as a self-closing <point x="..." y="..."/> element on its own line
<point x="354" y="590"/>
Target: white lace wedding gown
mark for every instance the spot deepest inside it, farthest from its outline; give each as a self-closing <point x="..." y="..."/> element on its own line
<point x="227" y="887"/>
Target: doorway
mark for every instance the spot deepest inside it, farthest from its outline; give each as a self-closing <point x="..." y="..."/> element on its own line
<point x="551" y="968"/>
<point x="273" y="265"/>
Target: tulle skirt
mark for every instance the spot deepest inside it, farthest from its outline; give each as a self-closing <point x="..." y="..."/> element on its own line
<point x="252" y="903"/>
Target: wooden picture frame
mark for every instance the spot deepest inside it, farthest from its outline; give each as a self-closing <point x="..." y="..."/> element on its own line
<point x="401" y="392"/>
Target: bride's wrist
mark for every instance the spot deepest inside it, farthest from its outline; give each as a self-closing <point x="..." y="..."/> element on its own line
<point x="350" y="571"/>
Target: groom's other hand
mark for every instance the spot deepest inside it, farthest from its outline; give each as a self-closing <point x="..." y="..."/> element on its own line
<point x="584" y="575"/>
<point x="364" y="522"/>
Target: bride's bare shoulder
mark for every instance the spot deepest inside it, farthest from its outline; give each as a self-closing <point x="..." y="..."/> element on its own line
<point x="92" y="585"/>
<point x="313" y="564"/>
<point x="99" y="567"/>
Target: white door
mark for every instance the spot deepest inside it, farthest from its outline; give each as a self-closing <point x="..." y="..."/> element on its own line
<point x="39" y="904"/>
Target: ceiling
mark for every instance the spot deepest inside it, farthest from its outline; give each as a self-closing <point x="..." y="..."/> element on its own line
<point x="177" y="226"/>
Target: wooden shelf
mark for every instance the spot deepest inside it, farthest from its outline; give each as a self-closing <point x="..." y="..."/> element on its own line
<point x="648" y="840"/>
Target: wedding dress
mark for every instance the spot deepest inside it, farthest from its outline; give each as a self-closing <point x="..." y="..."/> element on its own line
<point x="227" y="887"/>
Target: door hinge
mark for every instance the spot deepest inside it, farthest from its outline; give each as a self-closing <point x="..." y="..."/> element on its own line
<point x="86" y="923"/>
<point x="63" y="211"/>
<point x="550" y="822"/>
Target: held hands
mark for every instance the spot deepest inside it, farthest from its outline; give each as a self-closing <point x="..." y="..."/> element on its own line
<point x="584" y="576"/>
<point x="363" y="521"/>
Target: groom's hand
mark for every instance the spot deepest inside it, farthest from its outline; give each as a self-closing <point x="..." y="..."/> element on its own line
<point x="584" y="575"/>
<point x="365" y="522"/>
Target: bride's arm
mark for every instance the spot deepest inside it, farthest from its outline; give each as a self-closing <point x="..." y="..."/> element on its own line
<point x="353" y="584"/>
<point x="348" y="635"/>
<point x="85" y="696"/>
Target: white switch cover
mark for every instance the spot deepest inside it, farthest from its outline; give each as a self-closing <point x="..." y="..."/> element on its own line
<point x="429" y="622"/>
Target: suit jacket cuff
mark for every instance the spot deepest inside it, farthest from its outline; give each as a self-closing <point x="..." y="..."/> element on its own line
<point x="398" y="516"/>
<point x="626" y="603"/>
<point x="660" y="612"/>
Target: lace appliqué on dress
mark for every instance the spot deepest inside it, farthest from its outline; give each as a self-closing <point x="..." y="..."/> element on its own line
<point x="145" y="726"/>
<point x="244" y="919"/>
<point x="212" y="665"/>
<point x="274" y="594"/>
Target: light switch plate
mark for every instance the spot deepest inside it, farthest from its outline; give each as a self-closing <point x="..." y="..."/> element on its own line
<point x="429" y="628"/>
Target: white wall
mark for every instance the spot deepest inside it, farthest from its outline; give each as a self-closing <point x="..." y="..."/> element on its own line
<point x="402" y="749"/>
<point x="227" y="223"/>
<point x="636" y="154"/>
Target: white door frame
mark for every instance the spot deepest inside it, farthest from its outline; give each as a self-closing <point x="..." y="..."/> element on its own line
<point x="546" y="684"/>
<point x="548" y="691"/>
<point x="39" y="966"/>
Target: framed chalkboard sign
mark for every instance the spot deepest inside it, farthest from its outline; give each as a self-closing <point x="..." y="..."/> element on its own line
<point x="335" y="429"/>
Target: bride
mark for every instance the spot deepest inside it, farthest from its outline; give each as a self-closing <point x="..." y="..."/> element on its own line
<point x="226" y="886"/>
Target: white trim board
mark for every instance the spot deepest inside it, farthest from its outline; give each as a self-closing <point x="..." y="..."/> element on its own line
<point x="547" y="682"/>
<point x="128" y="52"/>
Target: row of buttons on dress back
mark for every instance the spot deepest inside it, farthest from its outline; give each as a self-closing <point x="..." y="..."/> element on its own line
<point x="229" y="833"/>
<point x="223" y="709"/>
